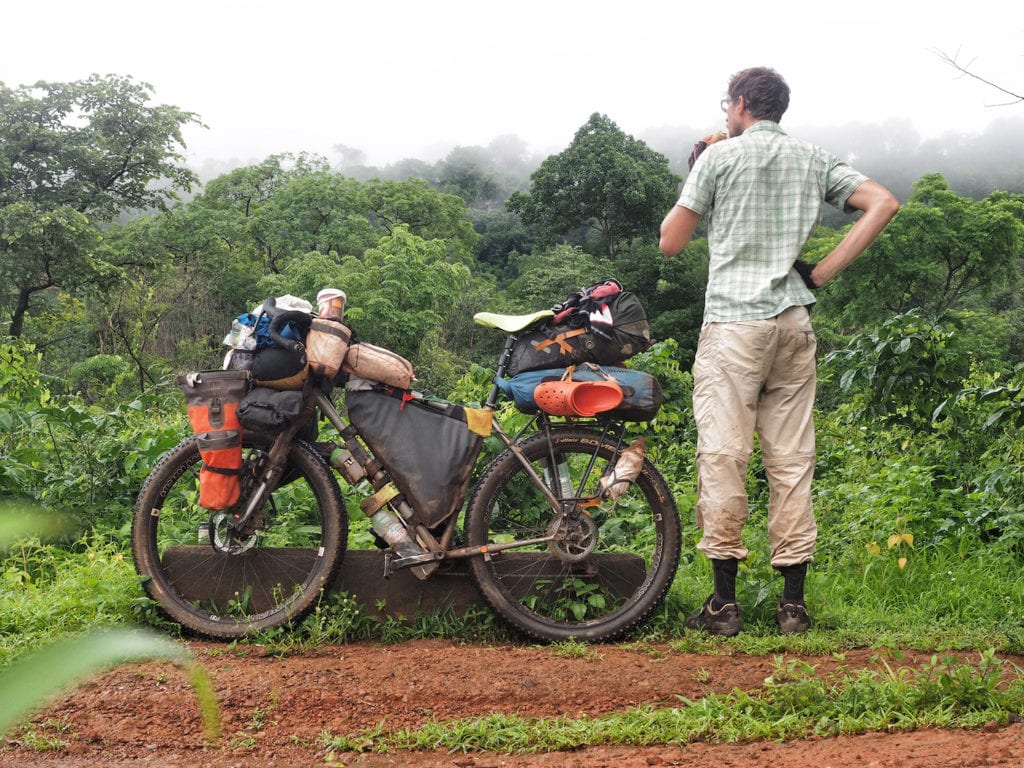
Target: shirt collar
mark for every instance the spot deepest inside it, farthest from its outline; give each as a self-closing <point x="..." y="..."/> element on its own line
<point x="765" y="125"/>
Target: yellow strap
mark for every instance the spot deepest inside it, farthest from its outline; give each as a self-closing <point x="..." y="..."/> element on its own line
<point x="371" y="504"/>
<point x="478" y="420"/>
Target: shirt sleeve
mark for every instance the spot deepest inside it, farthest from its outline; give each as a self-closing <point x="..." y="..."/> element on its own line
<point x="842" y="181"/>
<point x="699" y="188"/>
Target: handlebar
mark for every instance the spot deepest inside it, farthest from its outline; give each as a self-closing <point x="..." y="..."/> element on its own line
<point x="279" y="318"/>
<point x="277" y="324"/>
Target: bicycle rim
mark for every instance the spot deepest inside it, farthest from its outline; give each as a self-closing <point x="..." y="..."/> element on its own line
<point x="611" y="570"/>
<point x="225" y="586"/>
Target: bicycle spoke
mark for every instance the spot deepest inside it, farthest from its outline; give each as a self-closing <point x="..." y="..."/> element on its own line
<point x="606" y="566"/>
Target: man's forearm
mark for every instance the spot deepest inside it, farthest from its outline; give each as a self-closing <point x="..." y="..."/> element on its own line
<point x="879" y="207"/>
<point x="677" y="229"/>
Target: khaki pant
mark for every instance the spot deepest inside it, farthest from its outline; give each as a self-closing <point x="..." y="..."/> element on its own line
<point x="756" y="376"/>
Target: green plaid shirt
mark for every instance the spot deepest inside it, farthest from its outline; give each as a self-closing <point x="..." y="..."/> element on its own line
<point x="762" y="195"/>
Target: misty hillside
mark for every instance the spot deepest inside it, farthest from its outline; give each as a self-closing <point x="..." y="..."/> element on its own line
<point x="893" y="153"/>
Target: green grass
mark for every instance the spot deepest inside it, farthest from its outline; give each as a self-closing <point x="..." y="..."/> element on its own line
<point x="945" y="598"/>
<point x="60" y="655"/>
<point x="966" y="597"/>
<point x="50" y="591"/>
<point x="794" y="703"/>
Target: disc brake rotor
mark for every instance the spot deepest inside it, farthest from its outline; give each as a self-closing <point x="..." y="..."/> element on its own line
<point x="575" y="537"/>
<point x="225" y="540"/>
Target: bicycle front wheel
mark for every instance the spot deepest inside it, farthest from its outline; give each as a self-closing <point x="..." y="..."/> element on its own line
<point x="223" y="585"/>
<point x="611" y="564"/>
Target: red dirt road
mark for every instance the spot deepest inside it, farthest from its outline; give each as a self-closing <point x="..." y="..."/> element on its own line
<point x="275" y="710"/>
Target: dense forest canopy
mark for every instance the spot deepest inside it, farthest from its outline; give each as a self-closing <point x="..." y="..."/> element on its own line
<point x="121" y="267"/>
<point x="102" y="261"/>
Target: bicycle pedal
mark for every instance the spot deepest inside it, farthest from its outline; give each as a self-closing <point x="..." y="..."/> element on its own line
<point x="422" y="566"/>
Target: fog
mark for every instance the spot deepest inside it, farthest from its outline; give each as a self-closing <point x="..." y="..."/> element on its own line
<point x="401" y="79"/>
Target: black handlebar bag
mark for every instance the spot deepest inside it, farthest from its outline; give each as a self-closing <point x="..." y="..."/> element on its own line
<point x="601" y="324"/>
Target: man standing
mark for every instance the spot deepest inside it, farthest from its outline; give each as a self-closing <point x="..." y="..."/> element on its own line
<point x="762" y="194"/>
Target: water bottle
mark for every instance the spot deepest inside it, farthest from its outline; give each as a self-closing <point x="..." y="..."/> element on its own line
<point x="565" y="481"/>
<point x="240" y="337"/>
<point x="390" y="528"/>
<point x="627" y="469"/>
<point x="565" y="485"/>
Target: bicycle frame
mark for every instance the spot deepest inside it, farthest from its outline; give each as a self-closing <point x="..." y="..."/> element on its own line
<point x="552" y="550"/>
<point x="437" y="547"/>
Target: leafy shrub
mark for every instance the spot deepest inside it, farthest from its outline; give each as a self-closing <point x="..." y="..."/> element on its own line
<point x="79" y="458"/>
<point x="902" y="371"/>
<point x="101" y="379"/>
<point x="984" y="421"/>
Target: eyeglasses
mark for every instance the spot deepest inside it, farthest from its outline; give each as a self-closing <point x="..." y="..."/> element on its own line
<point x="725" y="104"/>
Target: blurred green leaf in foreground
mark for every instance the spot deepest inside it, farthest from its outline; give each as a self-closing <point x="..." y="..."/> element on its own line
<point x="33" y="680"/>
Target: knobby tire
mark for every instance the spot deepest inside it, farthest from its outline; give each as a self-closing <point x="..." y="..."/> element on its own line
<point x="609" y="589"/>
<point x="226" y="589"/>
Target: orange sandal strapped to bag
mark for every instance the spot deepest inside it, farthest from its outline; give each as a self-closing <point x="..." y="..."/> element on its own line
<point x="212" y="399"/>
<point x="578" y="398"/>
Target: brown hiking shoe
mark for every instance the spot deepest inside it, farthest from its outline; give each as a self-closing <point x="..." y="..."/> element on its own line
<point x="725" y="621"/>
<point x="793" y="618"/>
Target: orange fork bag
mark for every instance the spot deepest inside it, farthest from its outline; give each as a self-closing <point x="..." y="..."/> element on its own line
<point x="212" y="399"/>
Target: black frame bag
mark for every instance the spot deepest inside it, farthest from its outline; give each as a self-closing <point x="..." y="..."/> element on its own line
<point x="427" y="446"/>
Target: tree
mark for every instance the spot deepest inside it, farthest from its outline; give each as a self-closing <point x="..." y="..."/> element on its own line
<point x="42" y="249"/>
<point x="465" y="172"/>
<point x="672" y="291"/>
<point x="548" y="275"/>
<point x="402" y="295"/>
<point x="178" y="288"/>
<point x="88" y="149"/>
<point x="605" y="180"/>
<point x="502" y="235"/>
<point x="954" y="61"/>
<point x="319" y="211"/>
<point x="243" y="190"/>
<point x="485" y="176"/>
<point x="427" y="213"/>
<point x="940" y="251"/>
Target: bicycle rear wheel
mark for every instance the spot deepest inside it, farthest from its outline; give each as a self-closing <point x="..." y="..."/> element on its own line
<point x="222" y="585"/>
<point x="612" y="565"/>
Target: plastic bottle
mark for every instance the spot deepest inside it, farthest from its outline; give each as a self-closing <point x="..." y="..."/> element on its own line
<point x="566" y="489"/>
<point x="565" y="482"/>
<point x="240" y="337"/>
<point x="627" y="469"/>
<point x="390" y="528"/>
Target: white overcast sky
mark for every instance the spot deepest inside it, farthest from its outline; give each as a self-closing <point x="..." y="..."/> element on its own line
<point x="397" y="78"/>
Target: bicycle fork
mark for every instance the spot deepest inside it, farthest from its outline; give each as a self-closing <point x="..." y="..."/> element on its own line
<point x="244" y="522"/>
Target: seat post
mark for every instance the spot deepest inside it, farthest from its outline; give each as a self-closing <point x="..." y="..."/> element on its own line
<point x="503" y="359"/>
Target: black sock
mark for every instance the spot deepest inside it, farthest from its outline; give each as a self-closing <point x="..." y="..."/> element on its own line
<point x="725" y="582"/>
<point x="793" y="591"/>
